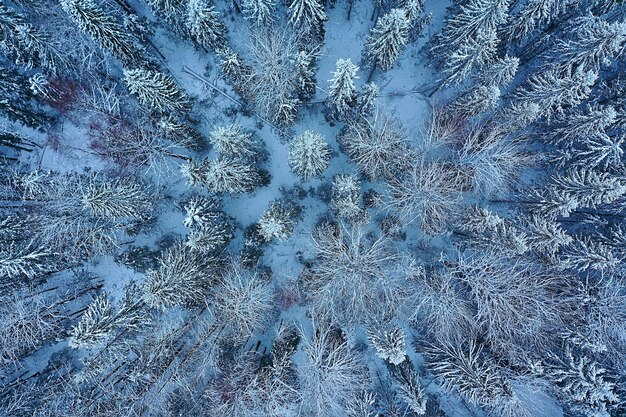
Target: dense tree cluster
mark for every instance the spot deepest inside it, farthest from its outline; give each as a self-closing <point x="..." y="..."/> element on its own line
<point x="312" y="208"/>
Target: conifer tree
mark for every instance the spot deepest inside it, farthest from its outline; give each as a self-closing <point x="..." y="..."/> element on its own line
<point x="78" y="216"/>
<point x="182" y="278"/>
<point x="116" y="199"/>
<point x="476" y="101"/>
<point x="589" y="188"/>
<point x="204" y="25"/>
<point x="210" y="238"/>
<point x="545" y="235"/>
<point x="222" y="175"/>
<point x="26" y="45"/>
<point x="579" y="124"/>
<point x="469" y="38"/>
<point x="346" y="200"/>
<point x="309" y="155"/>
<point x="306" y="82"/>
<point x="17" y="102"/>
<point x="233" y="141"/>
<point x="584" y="384"/>
<point x="209" y="226"/>
<point x="598" y="151"/>
<point x="499" y="73"/>
<point x="534" y="15"/>
<point x="390" y="345"/>
<point x="387" y="39"/>
<point x="553" y="90"/>
<point x="409" y="389"/>
<point x="101" y="319"/>
<point x="473" y="18"/>
<point x="342" y="92"/>
<point x="200" y="210"/>
<point x="194" y="171"/>
<point x="180" y="132"/>
<point x="259" y="11"/>
<point x="103" y="28"/>
<point x="475" y="52"/>
<point x="308" y="15"/>
<point x="466" y="369"/>
<point x="586" y="254"/>
<point x="591" y="43"/>
<point x="156" y="91"/>
<point x="413" y="9"/>
<point x="23" y="260"/>
<point x="235" y="70"/>
<point x="366" y="99"/>
<point x="278" y="221"/>
<point x="173" y="11"/>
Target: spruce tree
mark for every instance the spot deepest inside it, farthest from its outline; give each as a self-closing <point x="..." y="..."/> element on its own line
<point x="469" y="38"/>
<point x="116" y="199"/>
<point x="591" y="43"/>
<point x="533" y="15"/>
<point x="235" y="70"/>
<point x="19" y="260"/>
<point x="473" y="18"/>
<point x="103" y="28"/>
<point x="27" y="45"/>
<point x="259" y="11"/>
<point x="387" y="39"/>
<point x="500" y="72"/>
<point x="17" y="101"/>
<point x="342" y="92"/>
<point x="233" y="141"/>
<point x="366" y="99"/>
<point x="222" y="175"/>
<point x="475" y="52"/>
<point x="305" y="79"/>
<point x="308" y="15"/>
<point x="478" y="100"/>
<point x="278" y="221"/>
<point x="585" y="384"/>
<point x="554" y="90"/>
<point x="156" y="91"/>
<point x="101" y="319"/>
<point x="182" y="278"/>
<point x="204" y="25"/>
<point x="173" y="12"/>
<point x="390" y="345"/>
<point x="346" y="200"/>
<point x="309" y="155"/>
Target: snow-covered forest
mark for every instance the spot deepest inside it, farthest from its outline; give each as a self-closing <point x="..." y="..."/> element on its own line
<point x="313" y="208"/>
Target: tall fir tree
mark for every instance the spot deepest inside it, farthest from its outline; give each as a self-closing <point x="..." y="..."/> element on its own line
<point x="173" y="12"/>
<point x="591" y="43"/>
<point x="387" y="39"/>
<point x="17" y="101"/>
<point x="205" y="25"/>
<point x="309" y="155"/>
<point x="305" y="79"/>
<point x="183" y="277"/>
<point x="553" y="90"/>
<point x="156" y="91"/>
<point x="342" y="92"/>
<point x="309" y="15"/>
<point x="259" y="11"/>
<point x="103" y="28"/>
<point x="27" y="45"/>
